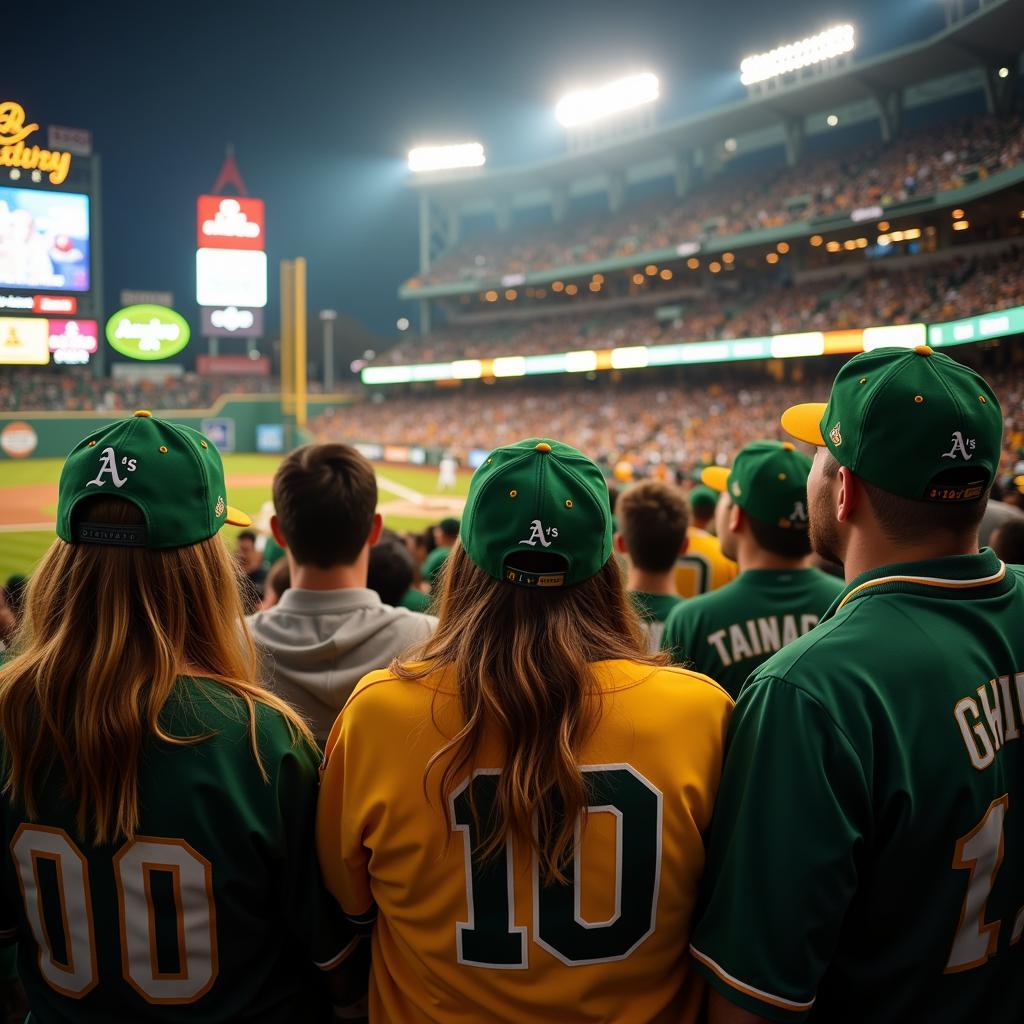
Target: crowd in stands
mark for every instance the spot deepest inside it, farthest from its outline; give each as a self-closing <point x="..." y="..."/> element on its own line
<point x="929" y="293"/>
<point x="933" y="159"/>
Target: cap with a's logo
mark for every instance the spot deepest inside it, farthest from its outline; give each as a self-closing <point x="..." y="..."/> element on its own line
<point x="768" y="480"/>
<point x="538" y="497"/>
<point x="171" y="472"/>
<point x="912" y="422"/>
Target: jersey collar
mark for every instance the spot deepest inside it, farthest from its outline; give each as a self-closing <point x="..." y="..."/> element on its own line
<point x="958" y="576"/>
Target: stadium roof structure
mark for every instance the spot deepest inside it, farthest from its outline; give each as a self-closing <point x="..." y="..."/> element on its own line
<point x="984" y="39"/>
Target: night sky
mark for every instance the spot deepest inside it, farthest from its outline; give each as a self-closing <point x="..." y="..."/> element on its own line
<point x="322" y="100"/>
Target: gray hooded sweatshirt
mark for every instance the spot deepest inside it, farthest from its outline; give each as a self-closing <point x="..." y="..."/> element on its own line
<point x="315" y="645"/>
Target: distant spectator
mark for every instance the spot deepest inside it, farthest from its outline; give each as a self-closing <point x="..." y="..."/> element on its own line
<point x="390" y="570"/>
<point x="651" y="521"/>
<point x="1008" y="542"/>
<point x="328" y="630"/>
<point x="250" y="560"/>
<point x="701" y="566"/>
<point x="446" y="533"/>
<point x="997" y="514"/>
<point x="278" y="581"/>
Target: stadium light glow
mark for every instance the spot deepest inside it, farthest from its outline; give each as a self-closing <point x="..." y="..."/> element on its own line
<point x="585" y="105"/>
<point x="446" y="158"/>
<point x="833" y="42"/>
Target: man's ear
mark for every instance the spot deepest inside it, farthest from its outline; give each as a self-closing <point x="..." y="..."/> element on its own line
<point x="275" y="529"/>
<point x="849" y="495"/>
<point x="737" y="519"/>
<point x="685" y="546"/>
<point x="375" y="530"/>
<point x="619" y="543"/>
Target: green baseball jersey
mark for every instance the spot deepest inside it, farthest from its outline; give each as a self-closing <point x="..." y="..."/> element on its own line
<point x="215" y="912"/>
<point x="433" y="564"/>
<point x="866" y="852"/>
<point x="731" y="631"/>
<point x="654" y="609"/>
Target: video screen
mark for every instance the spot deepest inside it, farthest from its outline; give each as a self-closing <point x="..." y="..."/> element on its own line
<point x="44" y="240"/>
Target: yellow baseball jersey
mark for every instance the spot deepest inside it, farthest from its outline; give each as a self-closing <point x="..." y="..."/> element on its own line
<point x="460" y="940"/>
<point x="702" y="567"/>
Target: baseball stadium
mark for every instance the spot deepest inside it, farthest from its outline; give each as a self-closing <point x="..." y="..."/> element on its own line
<point x="654" y="502"/>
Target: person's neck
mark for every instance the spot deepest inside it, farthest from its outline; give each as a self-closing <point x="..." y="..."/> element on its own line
<point x="644" y="582"/>
<point x="865" y="554"/>
<point x="701" y="526"/>
<point x="753" y="557"/>
<point x="337" y="577"/>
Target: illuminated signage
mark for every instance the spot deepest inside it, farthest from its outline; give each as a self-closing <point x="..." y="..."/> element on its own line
<point x="55" y="304"/>
<point x="231" y="277"/>
<point x="229" y="222"/>
<point x="15" y="153"/>
<point x="44" y="240"/>
<point x="147" y="332"/>
<point x="18" y="440"/>
<point x="73" y="341"/>
<point x="232" y="322"/>
<point x="22" y="302"/>
<point x="24" y="341"/>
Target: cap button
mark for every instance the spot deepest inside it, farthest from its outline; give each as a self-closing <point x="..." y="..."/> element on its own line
<point x="788" y="446"/>
<point x="145" y="413"/>
<point x="543" y="447"/>
<point x="923" y="350"/>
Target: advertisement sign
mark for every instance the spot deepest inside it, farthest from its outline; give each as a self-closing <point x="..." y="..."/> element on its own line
<point x="44" y="240"/>
<point x="129" y="298"/>
<point x="232" y="366"/>
<point x="147" y="332"/>
<point x="55" y="304"/>
<point x="24" y="342"/>
<point x="73" y="341"/>
<point x="231" y="322"/>
<point x="26" y="303"/>
<point x="221" y="432"/>
<point x="269" y="437"/>
<point x="18" y="440"/>
<point x="17" y="151"/>
<point x="77" y="141"/>
<point x="229" y="222"/>
<point x="231" y="277"/>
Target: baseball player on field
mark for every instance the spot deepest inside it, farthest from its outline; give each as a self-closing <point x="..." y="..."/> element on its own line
<point x="534" y="853"/>
<point x="158" y="811"/>
<point x="866" y="859"/>
<point x="761" y="522"/>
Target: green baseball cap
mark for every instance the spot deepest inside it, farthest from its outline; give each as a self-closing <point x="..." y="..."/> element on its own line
<point x="171" y="472"/>
<point x="768" y="480"/>
<point x="911" y="421"/>
<point x="702" y="495"/>
<point x="538" y="497"/>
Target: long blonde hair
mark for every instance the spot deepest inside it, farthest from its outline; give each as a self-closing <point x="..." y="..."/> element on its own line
<point x="107" y="632"/>
<point x="523" y="661"/>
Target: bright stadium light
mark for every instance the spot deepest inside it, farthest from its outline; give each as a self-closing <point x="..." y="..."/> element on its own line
<point x="833" y="42"/>
<point x="446" y="158"/>
<point x="585" y="105"/>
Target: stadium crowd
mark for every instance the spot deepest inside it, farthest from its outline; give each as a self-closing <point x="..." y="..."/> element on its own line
<point x="930" y="293"/>
<point x="932" y="159"/>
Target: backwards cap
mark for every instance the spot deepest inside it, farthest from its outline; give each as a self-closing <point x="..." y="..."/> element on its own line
<point x="913" y="422"/>
<point x="542" y="497"/>
<point x="172" y="473"/>
<point x="768" y="480"/>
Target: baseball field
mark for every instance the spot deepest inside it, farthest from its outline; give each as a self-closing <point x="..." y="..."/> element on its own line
<point x="409" y="500"/>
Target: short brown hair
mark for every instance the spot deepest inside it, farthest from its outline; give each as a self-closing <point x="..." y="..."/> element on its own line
<point x="325" y="496"/>
<point x="653" y="518"/>
<point x="784" y="541"/>
<point x="905" y="521"/>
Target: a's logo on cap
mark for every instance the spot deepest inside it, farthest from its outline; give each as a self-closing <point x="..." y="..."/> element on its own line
<point x="961" y="446"/>
<point x="835" y="436"/>
<point x="219" y="508"/>
<point x="799" y="514"/>
<point x="539" y="534"/>
<point x="108" y="465"/>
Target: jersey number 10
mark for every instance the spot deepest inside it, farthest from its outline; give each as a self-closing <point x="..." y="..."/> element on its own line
<point x="146" y="870"/>
<point x="490" y="937"/>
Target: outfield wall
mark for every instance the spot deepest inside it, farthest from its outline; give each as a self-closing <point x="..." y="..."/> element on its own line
<point x="235" y="419"/>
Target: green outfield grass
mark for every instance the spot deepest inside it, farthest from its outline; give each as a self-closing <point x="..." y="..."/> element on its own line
<point x="20" y="550"/>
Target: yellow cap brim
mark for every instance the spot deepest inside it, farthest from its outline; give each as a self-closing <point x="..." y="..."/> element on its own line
<point x="715" y="477"/>
<point x="1018" y="482"/>
<point x="236" y="518"/>
<point x="804" y="422"/>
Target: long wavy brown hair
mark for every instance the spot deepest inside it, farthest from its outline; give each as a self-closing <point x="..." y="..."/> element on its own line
<point x="524" y="664"/>
<point x="107" y="633"/>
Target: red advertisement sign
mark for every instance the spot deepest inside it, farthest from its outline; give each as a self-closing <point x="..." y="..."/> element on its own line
<point x="241" y="366"/>
<point x="230" y="222"/>
<point x="55" y="304"/>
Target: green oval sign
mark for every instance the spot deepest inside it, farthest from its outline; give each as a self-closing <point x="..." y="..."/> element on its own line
<point x="147" y="332"/>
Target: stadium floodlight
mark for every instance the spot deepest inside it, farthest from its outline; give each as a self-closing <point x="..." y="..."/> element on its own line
<point x="833" y="42"/>
<point x="585" y="105"/>
<point x="446" y="158"/>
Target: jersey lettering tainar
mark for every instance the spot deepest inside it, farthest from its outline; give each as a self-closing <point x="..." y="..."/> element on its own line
<point x="215" y="911"/>
<point x="866" y="860"/>
<point x="460" y="939"/>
